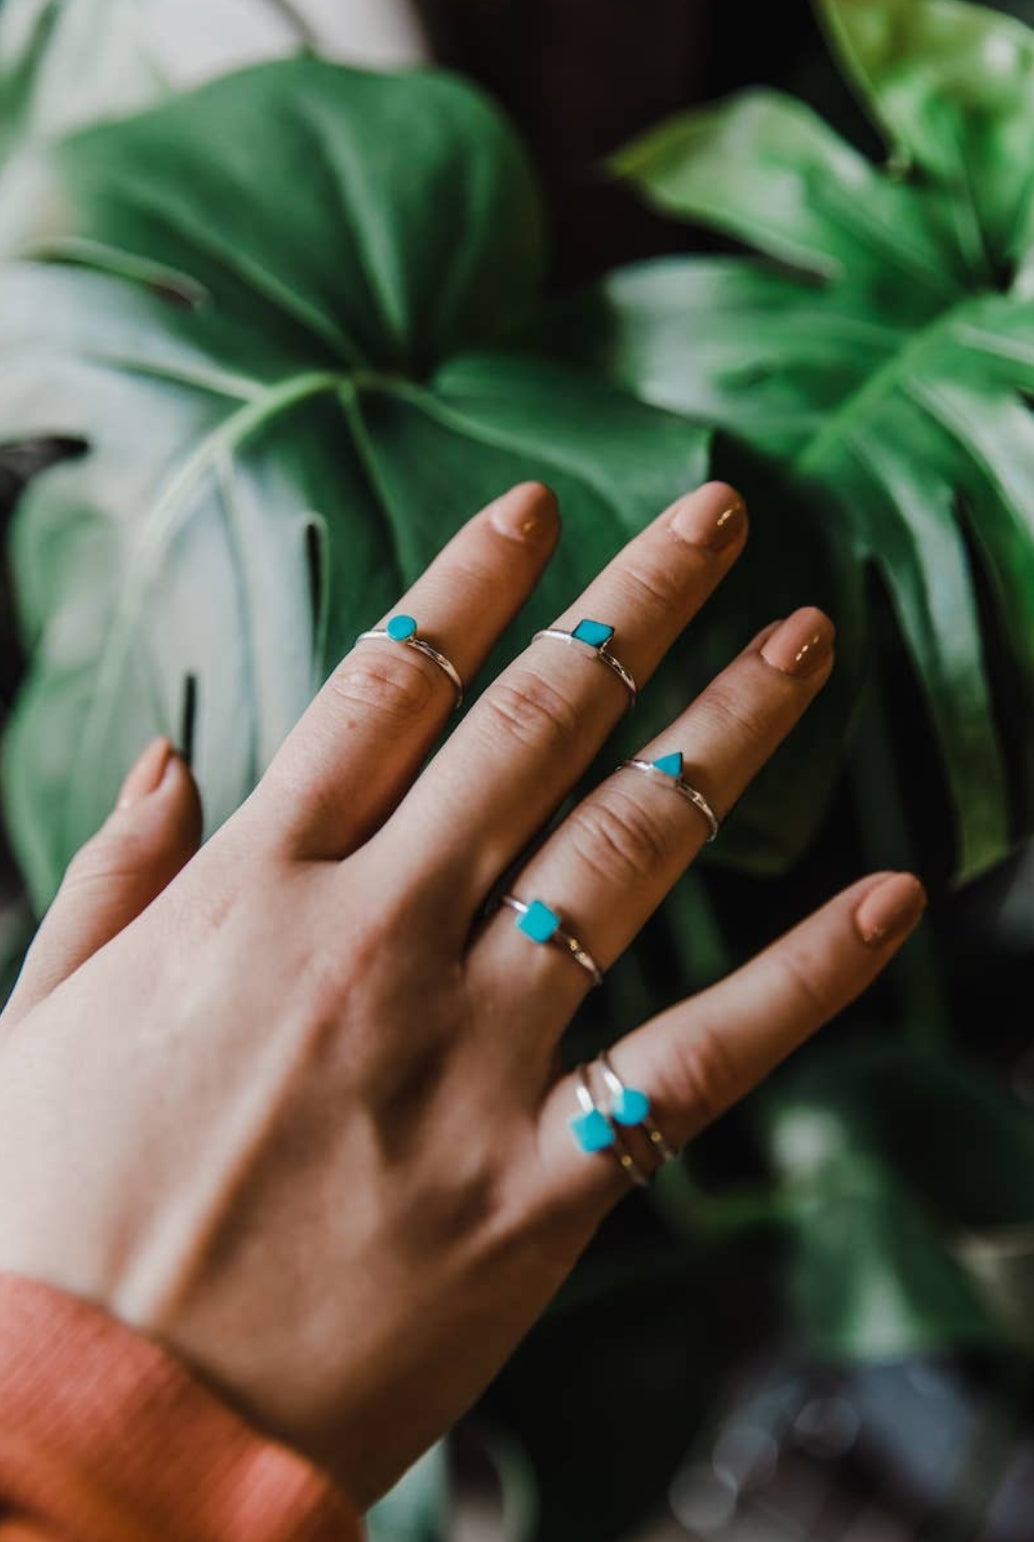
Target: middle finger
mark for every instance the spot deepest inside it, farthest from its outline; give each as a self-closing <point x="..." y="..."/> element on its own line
<point x="529" y="738"/>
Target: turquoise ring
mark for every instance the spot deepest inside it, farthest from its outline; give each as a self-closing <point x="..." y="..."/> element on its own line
<point x="595" y="1131"/>
<point x="595" y="636"/>
<point x="630" y="1107"/>
<point x="403" y="629"/>
<point x="668" y="771"/>
<point x="542" y="924"/>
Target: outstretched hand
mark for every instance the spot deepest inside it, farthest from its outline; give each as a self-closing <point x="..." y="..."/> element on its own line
<point x="294" y="1105"/>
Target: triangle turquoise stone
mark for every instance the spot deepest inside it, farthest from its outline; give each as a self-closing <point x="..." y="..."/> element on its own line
<point x="671" y="765"/>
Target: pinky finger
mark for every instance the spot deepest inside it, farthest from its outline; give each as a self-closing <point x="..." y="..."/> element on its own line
<point x="703" y="1055"/>
<point x="151" y="834"/>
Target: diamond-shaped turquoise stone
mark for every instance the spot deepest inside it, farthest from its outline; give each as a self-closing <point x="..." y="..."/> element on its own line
<point x="671" y="765"/>
<point x="401" y="628"/>
<point x="630" y="1106"/>
<point x="593" y="632"/>
<point x="592" y="1131"/>
<point x="538" y="922"/>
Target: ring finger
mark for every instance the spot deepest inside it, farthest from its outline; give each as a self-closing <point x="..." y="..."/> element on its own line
<point x="610" y="864"/>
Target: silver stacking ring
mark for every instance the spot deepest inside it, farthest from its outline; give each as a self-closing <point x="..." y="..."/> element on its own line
<point x="542" y="924"/>
<point x="668" y="771"/>
<point x="595" y="1130"/>
<point x="629" y="1106"/>
<point x="403" y="629"/>
<point x="595" y="636"/>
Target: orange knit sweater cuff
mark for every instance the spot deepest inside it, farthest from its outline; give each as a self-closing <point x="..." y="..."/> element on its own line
<point x="106" y="1437"/>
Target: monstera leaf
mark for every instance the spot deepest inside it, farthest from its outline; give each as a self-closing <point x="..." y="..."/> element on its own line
<point x="67" y="63"/>
<point x="883" y="350"/>
<point x="268" y="314"/>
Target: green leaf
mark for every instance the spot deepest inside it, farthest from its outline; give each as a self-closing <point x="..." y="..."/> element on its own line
<point x="1000" y="1261"/>
<point x="45" y="88"/>
<point x="68" y="63"/>
<point x="767" y="169"/>
<point x="274" y="313"/>
<point x="893" y="1166"/>
<point x="65" y="64"/>
<point x="877" y="364"/>
<point x="952" y="85"/>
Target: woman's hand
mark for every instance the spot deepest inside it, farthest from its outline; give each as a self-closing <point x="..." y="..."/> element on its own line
<point x="290" y="1105"/>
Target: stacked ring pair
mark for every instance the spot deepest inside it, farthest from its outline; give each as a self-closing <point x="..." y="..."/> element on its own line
<point x="605" y="1129"/>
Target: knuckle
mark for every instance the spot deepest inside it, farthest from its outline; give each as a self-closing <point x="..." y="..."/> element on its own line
<point x="531" y="709"/>
<point x="620" y="840"/>
<point x="705" y="1075"/>
<point x="398" y="683"/>
<point x="653" y="590"/>
<point x="108" y="857"/>
<point x="736" y="712"/>
<point x="804" y="980"/>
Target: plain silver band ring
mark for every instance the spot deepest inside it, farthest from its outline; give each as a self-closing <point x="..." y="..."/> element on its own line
<point x="562" y="940"/>
<point x="629" y="1166"/>
<point x="663" y="1148"/>
<point x="444" y="664"/>
<point x="683" y="788"/>
<point x="602" y="653"/>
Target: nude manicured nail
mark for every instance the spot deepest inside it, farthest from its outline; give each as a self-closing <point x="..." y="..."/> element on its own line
<point x="146" y="774"/>
<point x="526" y="513"/>
<point x="891" y="910"/>
<point x="713" y="517"/>
<point x="802" y="644"/>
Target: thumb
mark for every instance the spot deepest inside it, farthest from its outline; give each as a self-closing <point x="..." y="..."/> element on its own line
<point x="153" y="831"/>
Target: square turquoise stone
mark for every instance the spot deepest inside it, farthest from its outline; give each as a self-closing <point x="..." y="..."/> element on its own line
<point x="592" y="1131"/>
<point x="401" y="628"/>
<point x="538" y="922"/>
<point x="593" y="632"/>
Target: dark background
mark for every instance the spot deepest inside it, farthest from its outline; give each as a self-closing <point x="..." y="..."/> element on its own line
<point x="581" y="77"/>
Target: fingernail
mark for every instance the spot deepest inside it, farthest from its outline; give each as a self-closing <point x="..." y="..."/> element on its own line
<point x="891" y="910"/>
<point x="713" y="517"/>
<point x="526" y="512"/>
<point x="802" y="644"/>
<point x="145" y="776"/>
<point x="763" y="636"/>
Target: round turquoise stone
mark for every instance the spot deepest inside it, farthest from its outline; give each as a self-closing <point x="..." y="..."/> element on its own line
<point x="401" y="628"/>
<point x="631" y="1106"/>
